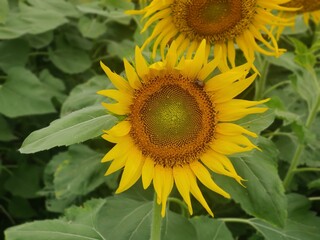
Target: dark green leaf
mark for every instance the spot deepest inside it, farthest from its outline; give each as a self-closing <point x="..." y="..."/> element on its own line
<point x="21" y="208"/>
<point x="74" y="128"/>
<point x="24" y="182"/>
<point x="70" y="60"/>
<point x="263" y="196"/>
<point x="6" y="134"/>
<point x="23" y="94"/>
<point x="40" y="40"/>
<point x="14" y="53"/>
<point x="208" y="228"/>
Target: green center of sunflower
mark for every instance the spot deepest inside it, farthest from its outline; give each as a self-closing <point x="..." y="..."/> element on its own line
<point x="214" y="20"/>
<point x="173" y="120"/>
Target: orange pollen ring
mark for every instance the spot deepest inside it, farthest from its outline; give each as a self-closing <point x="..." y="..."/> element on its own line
<point x="173" y="120"/>
<point x="214" y="20"/>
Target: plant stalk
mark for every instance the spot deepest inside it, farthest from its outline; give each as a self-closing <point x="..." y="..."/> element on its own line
<point x="156" y="220"/>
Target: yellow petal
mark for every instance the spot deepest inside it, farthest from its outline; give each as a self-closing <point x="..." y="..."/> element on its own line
<point x="117" y="164"/>
<point x="132" y="170"/>
<point x="182" y="182"/>
<point x="147" y="172"/>
<point x="158" y="182"/>
<point x="117" y="108"/>
<point x="167" y="186"/>
<point x="232" y="129"/>
<point x="119" y="130"/>
<point x="131" y="75"/>
<point x="118" y="150"/>
<point x="227" y="148"/>
<point x="141" y="64"/>
<point x="117" y="80"/>
<point x="211" y="66"/>
<point x="194" y="189"/>
<point x="172" y="56"/>
<point x="237" y="139"/>
<point x="205" y="178"/>
<point x="119" y="96"/>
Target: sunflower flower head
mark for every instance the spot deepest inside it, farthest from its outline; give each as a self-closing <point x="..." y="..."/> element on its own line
<point x="178" y="123"/>
<point x="223" y="23"/>
<point x="309" y="8"/>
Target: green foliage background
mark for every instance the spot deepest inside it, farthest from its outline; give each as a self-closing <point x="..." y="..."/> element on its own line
<point x="49" y="75"/>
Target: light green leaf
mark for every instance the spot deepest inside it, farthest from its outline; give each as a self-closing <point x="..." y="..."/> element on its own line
<point x="70" y="60"/>
<point x="85" y="95"/>
<point x="74" y="128"/>
<point x="6" y="134"/>
<point x="23" y="94"/>
<point x="4" y="10"/>
<point x="54" y="85"/>
<point x="208" y="228"/>
<point x="124" y="49"/>
<point x="80" y="173"/>
<point x="263" y="196"/>
<point x="91" y="27"/>
<point x="14" y="53"/>
<point x="52" y="230"/>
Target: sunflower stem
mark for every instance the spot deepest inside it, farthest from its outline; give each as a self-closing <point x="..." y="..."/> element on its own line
<point x="156" y="220"/>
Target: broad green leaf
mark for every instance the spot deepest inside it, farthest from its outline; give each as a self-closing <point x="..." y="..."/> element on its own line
<point x="60" y="6"/>
<point x="80" y="173"/>
<point x="6" y="134"/>
<point x="14" y="53"/>
<point x="315" y="184"/>
<point x="70" y="60"/>
<point x="301" y="223"/>
<point x="263" y="196"/>
<point x="14" y="27"/>
<point x="40" y="40"/>
<point x="304" y="57"/>
<point x="24" y="181"/>
<point x="124" y="49"/>
<point x="21" y="208"/>
<point x="4" y="10"/>
<point x="91" y="27"/>
<point x="74" y="128"/>
<point x="208" y="228"/>
<point x="23" y="94"/>
<point x="177" y="227"/>
<point x="85" y="95"/>
<point x="123" y="218"/>
<point x="52" y="230"/>
<point x="54" y="85"/>
<point x="257" y="122"/>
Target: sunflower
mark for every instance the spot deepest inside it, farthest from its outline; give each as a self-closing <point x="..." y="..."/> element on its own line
<point x="309" y="8"/>
<point x="222" y="23"/>
<point x="177" y="123"/>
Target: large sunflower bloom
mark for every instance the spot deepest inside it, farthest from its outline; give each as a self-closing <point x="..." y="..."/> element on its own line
<point x="177" y="124"/>
<point x="223" y="23"/>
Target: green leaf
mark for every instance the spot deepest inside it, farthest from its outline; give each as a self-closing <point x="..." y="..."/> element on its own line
<point x="124" y="218"/>
<point x="4" y="10"/>
<point x="91" y="27"/>
<point x="85" y="95"/>
<point x="21" y="208"/>
<point x="124" y="49"/>
<point x="40" y="40"/>
<point x="70" y="60"/>
<point x="23" y="94"/>
<point x="257" y="122"/>
<point x="14" y="53"/>
<point x="301" y="223"/>
<point x="52" y="230"/>
<point x="80" y="173"/>
<point x="208" y="228"/>
<point x="6" y="134"/>
<point x="24" y="181"/>
<point x="177" y="227"/>
<point x="304" y="57"/>
<point x="315" y="184"/>
<point x="54" y="85"/>
<point x="263" y="196"/>
<point x="74" y="128"/>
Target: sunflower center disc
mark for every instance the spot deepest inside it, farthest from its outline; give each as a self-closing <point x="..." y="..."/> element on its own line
<point x="215" y="20"/>
<point x="172" y="120"/>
